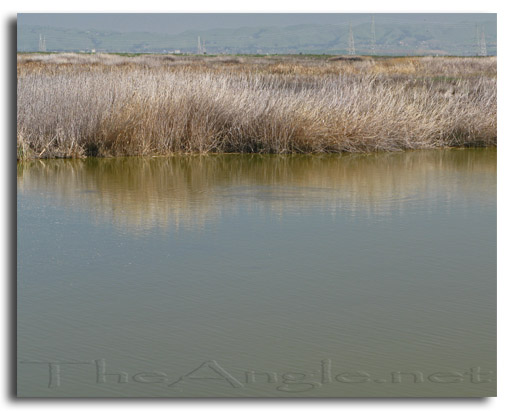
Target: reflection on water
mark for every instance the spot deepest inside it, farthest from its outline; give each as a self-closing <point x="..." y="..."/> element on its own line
<point x="336" y="275"/>
<point x="190" y="190"/>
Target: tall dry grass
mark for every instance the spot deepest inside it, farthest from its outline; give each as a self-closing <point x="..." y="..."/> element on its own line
<point x="104" y="105"/>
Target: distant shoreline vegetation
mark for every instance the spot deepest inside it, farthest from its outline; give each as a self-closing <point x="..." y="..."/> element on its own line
<point x="78" y="105"/>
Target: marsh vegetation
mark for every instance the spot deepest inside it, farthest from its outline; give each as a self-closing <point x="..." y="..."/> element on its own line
<point x="72" y="105"/>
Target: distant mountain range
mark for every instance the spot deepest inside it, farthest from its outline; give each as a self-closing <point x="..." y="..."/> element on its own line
<point x="416" y="38"/>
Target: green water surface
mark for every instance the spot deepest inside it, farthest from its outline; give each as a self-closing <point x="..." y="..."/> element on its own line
<point x="258" y="276"/>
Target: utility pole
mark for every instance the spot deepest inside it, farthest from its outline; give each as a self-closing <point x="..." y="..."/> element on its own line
<point x="477" y="40"/>
<point x="373" y="36"/>
<point x="203" y="47"/>
<point x="351" y="43"/>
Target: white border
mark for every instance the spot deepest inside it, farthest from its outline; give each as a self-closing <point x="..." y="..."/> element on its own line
<point x="505" y="161"/>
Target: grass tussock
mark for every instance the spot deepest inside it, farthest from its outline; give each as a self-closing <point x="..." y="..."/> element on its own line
<point x="73" y="105"/>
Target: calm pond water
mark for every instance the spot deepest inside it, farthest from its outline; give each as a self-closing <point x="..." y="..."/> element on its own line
<point x="249" y="276"/>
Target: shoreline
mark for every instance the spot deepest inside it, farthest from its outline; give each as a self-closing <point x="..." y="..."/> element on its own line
<point x="264" y="155"/>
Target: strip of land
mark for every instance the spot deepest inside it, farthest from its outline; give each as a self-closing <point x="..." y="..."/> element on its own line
<point x="76" y="105"/>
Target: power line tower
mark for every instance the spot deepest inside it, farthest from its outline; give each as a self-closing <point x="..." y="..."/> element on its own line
<point x="351" y="43"/>
<point x="483" y="45"/>
<point x="477" y="40"/>
<point x="199" y="48"/>
<point x="42" y="43"/>
<point x="373" y="36"/>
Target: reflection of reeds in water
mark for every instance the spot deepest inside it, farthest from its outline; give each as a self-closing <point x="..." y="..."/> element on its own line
<point x="190" y="190"/>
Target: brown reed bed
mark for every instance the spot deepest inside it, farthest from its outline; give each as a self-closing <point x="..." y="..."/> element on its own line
<point x="72" y="105"/>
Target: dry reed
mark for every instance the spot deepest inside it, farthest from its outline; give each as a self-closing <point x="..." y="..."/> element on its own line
<point x="73" y="105"/>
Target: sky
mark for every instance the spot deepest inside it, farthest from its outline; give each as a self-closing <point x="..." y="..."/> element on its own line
<point x="178" y="23"/>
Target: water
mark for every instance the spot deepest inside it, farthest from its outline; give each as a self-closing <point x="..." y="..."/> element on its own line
<point x="250" y="276"/>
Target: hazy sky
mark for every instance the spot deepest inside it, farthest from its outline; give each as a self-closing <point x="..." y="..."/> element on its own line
<point x="177" y="23"/>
